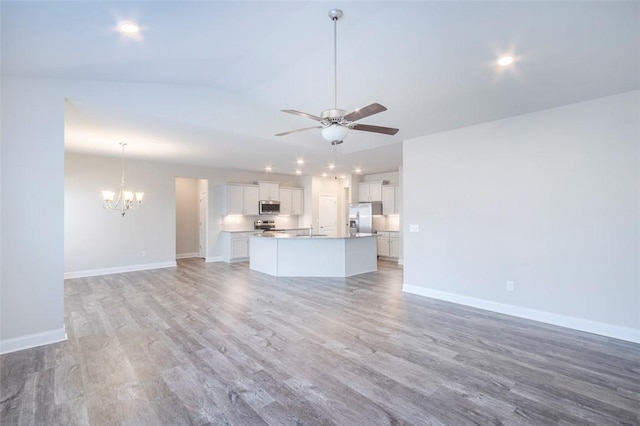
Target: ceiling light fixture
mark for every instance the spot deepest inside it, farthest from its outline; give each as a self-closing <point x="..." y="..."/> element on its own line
<point x="127" y="200"/>
<point x="358" y="170"/>
<point x="268" y="169"/>
<point x="129" y="28"/>
<point x="298" y="172"/>
<point x="335" y="133"/>
<point x="300" y="161"/>
<point x="332" y="166"/>
<point x="505" y="61"/>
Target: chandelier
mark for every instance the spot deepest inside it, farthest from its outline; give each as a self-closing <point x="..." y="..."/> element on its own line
<point x="127" y="200"/>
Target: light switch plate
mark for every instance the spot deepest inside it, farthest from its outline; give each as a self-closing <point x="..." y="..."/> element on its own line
<point x="414" y="228"/>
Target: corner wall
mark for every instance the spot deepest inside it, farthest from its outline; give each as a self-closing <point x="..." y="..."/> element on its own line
<point x="548" y="200"/>
<point x="31" y="288"/>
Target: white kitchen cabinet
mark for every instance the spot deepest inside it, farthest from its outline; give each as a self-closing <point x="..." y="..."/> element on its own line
<point x="383" y="244"/>
<point x="241" y="199"/>
<point x="285" y="201"/>
<point x="291" y="201"/>
<point x="390" y="198"/>
<point x="394" y="244"/>
<point x="269" y="191"/>
<point x="389" y="244"/>
<point x="239" y="247"/>
<point x="235" y="246"/>
<point x="370" y="191"/>
<point x="297" y="201"/>
<point x="251" y="198"/>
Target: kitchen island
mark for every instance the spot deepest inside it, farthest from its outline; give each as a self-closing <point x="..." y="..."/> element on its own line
<point x="284" y="255"/>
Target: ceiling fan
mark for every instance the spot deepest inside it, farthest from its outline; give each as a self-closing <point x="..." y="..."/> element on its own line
<point x="335" y="123"/>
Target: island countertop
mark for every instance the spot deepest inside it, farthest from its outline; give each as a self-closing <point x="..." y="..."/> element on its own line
<point x="313" y="236"/>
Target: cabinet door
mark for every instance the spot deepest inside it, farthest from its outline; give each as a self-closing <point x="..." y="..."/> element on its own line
<point x="363" y="192"/>
<point x="269" y="190"/>
<point x="285" y="201"/>
<point x="239" y="247"/>
<point x="235" y="199"/>
<point x="251" y="197"/>
<point x="389" y="199"/>
<point x="297" y="205"/>
<point x="383" y="245"/>
<point x="375" y="191"/>
<point x="394" y="246"/>
<point x="369" y="191"/>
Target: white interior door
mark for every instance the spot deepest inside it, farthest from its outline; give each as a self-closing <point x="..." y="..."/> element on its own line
<point x="204" y="210"/>
<point x="328" y="215"/>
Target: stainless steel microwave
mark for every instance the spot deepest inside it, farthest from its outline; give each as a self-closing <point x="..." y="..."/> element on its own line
<point x="269" y="207"/>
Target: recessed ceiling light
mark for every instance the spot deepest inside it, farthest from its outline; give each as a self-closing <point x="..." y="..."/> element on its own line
<point x="324" y="175"/>
<point x="358" y="170"/>
<point x="300" y="161"/>
<point x="129" y="28"/>
<point x="298" y="172"/>
<point x="268" y="169"/>
<point x="505" y="60"/>
<point x="332" y="166"/>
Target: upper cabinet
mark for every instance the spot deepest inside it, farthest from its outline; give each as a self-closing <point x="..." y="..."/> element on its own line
<point x="390" y="198"/>
<point x="241" y="199"/>
<point x="269" y="191"/>
<point x="297" y="201"/>
<point x="370" y="191"/>
<point x="291" y="201"/>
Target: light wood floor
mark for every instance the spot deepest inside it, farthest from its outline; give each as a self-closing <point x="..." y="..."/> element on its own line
<point x="220" y="344"/>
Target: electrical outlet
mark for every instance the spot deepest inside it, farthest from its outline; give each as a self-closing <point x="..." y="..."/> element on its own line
<point x="414" y="228"/>
<point x="510" y="285"/>
<point x="144" y="253"/>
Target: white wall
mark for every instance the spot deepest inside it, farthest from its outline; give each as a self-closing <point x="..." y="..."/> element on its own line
<point x="31" y="290"/>
<point x="549" y="200"/>
<point x="99" y="241"/>
<point x="187" y="218"/>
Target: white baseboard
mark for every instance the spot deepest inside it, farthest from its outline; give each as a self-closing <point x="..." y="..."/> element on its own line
<point x="603" y="329"/>
<point x="214" y="259"/>
<point x="118" y="270"/>
<point x="32" y="340"/>
<point x="187" y="255"/>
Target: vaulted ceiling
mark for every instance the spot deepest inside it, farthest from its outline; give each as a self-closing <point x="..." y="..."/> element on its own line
<point x="210" y="78"/>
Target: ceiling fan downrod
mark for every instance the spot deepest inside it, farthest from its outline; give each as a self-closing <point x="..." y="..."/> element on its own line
<point x="335" y="14"/>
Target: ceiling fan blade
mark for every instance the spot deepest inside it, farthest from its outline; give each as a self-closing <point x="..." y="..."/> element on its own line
<point x="298" y="130"/>
<point x="302" y="114"/>
<point x="364" y="112"/>
<point x="376" y="129"/>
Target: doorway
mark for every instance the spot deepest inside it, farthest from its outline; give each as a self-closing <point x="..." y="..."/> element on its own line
<point x="204" y="214"/>
<point x="327" y="214"/>
<point x="192" y="197"/>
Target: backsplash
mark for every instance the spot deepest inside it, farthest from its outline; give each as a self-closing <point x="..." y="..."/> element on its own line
<point x="245" y="223"/>
<point x="390" y="223"/>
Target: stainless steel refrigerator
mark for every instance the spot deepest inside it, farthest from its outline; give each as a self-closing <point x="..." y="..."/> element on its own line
<point x="361" y="216"/>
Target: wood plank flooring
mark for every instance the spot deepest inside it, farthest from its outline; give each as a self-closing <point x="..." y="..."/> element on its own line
<point x="220" y="344"/>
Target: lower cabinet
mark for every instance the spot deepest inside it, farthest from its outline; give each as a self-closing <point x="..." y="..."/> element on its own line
<point x="236" y="246"/>
<point x="389" y="244"/>
<point x="239" y="247"/>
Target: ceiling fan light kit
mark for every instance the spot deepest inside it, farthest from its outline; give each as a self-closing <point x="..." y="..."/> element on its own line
<point x="335" y="123"/>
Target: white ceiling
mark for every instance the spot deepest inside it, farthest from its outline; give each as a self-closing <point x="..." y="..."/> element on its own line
<point x="222" y="71"/>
